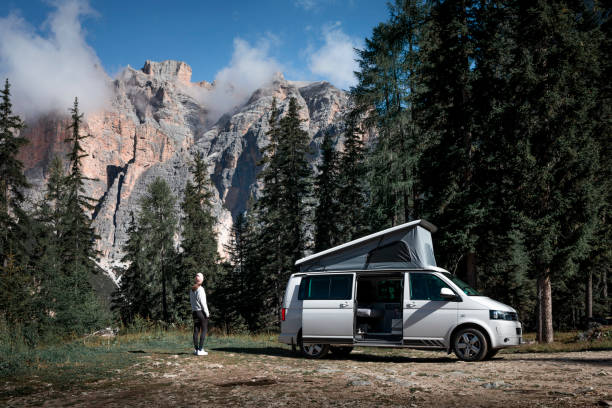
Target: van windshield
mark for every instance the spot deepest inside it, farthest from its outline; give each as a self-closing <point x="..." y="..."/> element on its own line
<point x="467" y="289"/>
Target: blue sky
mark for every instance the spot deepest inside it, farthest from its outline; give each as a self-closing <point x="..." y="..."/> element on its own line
<point x="300" y="36"/>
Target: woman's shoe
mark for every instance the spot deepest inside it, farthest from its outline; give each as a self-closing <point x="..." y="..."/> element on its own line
<point x="202" y="353"/>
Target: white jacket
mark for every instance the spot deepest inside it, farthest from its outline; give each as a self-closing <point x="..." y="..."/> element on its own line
<point x="198" y="300"/>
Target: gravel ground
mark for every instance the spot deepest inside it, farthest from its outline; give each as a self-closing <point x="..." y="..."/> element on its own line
<point x="271" y="377"/>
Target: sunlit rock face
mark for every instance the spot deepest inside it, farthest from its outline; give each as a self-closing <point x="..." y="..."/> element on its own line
<point x="153" y="128"/>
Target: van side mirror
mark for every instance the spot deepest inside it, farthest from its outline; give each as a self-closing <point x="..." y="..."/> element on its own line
<point x="447" y="294"/>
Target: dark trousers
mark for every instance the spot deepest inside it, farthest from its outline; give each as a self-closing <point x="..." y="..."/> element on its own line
<point x="200" y="325"/>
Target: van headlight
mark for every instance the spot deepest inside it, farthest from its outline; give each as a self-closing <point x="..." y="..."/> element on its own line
<point x="499" y="315"/>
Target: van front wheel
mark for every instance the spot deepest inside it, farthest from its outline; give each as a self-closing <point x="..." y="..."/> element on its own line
<point x="314" y="350"/>
<point x="470" y="345"/>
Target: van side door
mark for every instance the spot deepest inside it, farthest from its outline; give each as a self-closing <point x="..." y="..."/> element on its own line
<point x="327" y="308"/>
<point x="428" y="318"/>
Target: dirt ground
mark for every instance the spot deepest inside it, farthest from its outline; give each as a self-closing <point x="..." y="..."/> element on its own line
<point x="273" y="377"/>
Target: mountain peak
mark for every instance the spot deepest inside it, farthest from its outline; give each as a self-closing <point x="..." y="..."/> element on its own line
<point x="169" y="69"/>
<point x="278" y="77"/>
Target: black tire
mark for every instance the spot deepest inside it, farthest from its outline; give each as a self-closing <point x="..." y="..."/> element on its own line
<point x="341" y="351"/>
<point x="491" y="354"/>
<point x="314" y="351"/>
<point x="470" y="344"/>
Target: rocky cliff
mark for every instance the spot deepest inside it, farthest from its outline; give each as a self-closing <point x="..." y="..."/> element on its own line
<point x="154" y="126"/>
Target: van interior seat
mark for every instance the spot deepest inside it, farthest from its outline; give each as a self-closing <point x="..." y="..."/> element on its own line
<point x="370" y="312"/>
<point x="379" y="308"/>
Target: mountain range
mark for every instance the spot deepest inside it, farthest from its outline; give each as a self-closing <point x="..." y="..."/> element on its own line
<point x="155" y="123"/>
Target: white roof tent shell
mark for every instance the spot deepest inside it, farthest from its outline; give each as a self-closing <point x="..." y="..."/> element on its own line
<point x="406" y="246"/>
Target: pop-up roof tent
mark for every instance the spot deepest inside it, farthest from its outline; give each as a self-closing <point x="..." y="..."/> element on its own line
<point x="406" y="246"/>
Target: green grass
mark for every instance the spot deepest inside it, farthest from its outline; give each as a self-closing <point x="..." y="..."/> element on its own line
<point x="90" y="359"/>
<point x="101" y="353"/>
<point x="564" y="342"/>
<point x="83" y="361"/>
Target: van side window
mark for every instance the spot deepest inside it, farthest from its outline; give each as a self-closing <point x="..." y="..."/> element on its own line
<point x="425" y="286"/>
<point x="341" y="287"/>
<point x="337" y="287"/>
<point x="318" y="288"/>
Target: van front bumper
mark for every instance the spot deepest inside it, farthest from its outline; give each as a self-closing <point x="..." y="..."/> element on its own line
<point x="507" y="334"/>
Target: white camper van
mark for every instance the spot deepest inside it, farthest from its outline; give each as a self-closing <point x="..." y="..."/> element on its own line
<point x="385" y="290"/>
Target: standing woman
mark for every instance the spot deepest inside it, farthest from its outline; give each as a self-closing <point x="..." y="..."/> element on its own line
<point x="200" y="312"/>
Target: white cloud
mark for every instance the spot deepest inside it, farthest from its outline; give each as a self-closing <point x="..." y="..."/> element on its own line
<point x="335" y="60"/>
<point x="250" y="68"/>
<point x="305" y="4"/>
<point x="47" y="71"/>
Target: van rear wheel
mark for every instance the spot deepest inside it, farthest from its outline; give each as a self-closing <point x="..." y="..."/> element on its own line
<point x="470" y="345"/>
<point x="314" y="350"/>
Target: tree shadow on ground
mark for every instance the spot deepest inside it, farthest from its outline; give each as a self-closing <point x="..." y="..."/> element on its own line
<point x="180" y="353"/>
<point x="361" y="356"/>
<point x="604" y="362"/>
<point x="267" y="351"/>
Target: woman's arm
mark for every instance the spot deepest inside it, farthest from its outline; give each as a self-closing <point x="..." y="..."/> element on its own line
<point x="202" y="299"/>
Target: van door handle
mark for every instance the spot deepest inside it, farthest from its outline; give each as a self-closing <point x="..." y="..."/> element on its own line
<point x="410" y="305"/>
<point x="343" y="305"/>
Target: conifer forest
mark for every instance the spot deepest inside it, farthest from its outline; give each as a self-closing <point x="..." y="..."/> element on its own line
<point x="490" y="119"/>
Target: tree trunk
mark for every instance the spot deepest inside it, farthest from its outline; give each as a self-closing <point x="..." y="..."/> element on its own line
<point x="164" y="301"/>
<point x="545" y="323"/>
<point x="588" y="301"/>
<point x="539" y="313"/>
<point x="604" y="279"/>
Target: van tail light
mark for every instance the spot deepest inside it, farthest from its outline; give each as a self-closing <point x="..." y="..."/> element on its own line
<point x="283" y="311"/>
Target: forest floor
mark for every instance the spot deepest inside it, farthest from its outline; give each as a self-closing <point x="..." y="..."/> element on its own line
<point x="160" y="370"/>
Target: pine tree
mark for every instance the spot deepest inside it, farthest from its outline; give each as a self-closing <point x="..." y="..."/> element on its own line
<point x="502" y="262"/>
<point x="596" y="266"/>
<point x="149" y="285"/>
<point x="296" y="181"/>
<point x="48" y="262"/>
<point x="327" y="213"/>
<point x="387" y="82"/>
<point x="199" y="242"/>
<point x="17" y="305"/>
<point x="266" y="259"/>
<point x="237" y="250"/>
<point x="76" y="307"/>
<point x="503" y="112"/>
<point x="549" y="144"/>
<point x="450" y="198"/>
<point x="157" y="219"/>
<point x="373" y="90"/>
<point x="353" y="199"/>
<point x="282" y="213"/>
<point x="296" y="177"/>
<point x="131" y="297"/>
<point x="12" y="179"/>
<point x="79" y="236"/>
<point x="234" y="286"/>
<point x="16" y="300"/>
<point x="255" y="305"/>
